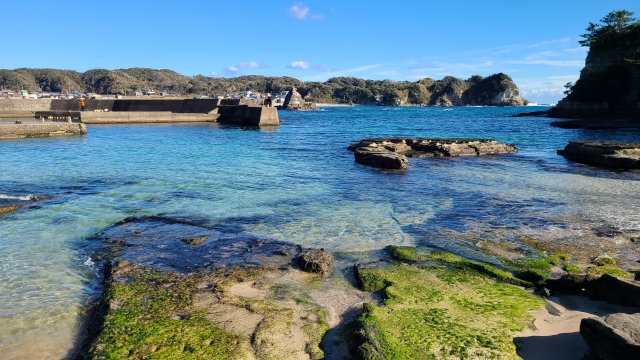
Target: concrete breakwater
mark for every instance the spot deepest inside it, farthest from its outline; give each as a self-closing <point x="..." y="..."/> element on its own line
<point x="108" y="111"/>
<point x="17" y="131"/>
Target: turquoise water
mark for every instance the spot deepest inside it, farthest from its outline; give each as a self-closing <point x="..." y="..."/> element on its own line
<point x="296" y="183"/>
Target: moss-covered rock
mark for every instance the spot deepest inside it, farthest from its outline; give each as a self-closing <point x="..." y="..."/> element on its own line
<point x="608" y="269"/>
<point x="440" y="313"/>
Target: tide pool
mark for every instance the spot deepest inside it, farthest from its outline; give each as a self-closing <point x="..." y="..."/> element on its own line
<point x="296" y="183"/>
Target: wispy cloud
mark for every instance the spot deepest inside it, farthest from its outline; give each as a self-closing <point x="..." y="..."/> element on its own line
<point x="302" y="65"/>
<point x="549" y="42"/>
<point x="574" y="63"/>
<point x="344" y="72"/>
<point x="297" y="11"/>
<point x="237" y="69"/>
<point x="214" y="74"/>
<point x="300" y="12"/>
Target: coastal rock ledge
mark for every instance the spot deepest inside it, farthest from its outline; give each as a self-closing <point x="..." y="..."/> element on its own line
<point x="611" y="154"/>
<point x="392" y="153"/>
<point x="615" y="336"/>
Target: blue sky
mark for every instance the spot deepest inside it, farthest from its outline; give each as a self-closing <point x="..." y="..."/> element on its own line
<point x="534" y="42"/>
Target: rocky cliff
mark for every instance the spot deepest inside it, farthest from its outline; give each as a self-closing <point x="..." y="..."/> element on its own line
<point x="609" y="83"/>
<point x="294" y="101"/>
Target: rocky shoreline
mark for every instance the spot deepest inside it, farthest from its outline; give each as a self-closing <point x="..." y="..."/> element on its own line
<point x="185" y="287"/>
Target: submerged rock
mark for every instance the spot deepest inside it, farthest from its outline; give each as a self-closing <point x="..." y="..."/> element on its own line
<point x="391" y="153"/>
<point x="8" y="209"/>
<point x="613" y="337"/>
<point x="606" y="287"/>
<point x="611" y="154"/>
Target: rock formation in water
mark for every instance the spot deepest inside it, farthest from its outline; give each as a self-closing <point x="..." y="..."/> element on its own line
<point x="294" y="101"/>
<point x="611" y="154"/>
<point x="609" y="82"/>
<point x="391" y="153"/>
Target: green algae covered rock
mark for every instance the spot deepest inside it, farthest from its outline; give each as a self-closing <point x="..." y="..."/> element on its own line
<point x="439" y="313"/>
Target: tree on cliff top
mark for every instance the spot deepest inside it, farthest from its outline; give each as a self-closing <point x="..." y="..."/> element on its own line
<point x="618" y="30"/>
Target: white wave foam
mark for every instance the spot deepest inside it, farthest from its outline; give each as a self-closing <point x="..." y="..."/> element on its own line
<point x="18" y="197"/>
<point x="89" y="262"/>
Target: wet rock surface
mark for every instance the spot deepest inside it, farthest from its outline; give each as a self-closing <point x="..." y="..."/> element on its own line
<point x="318" y="261"/>
<point x="392" y="153"/>
<point x="615" y="336"/>
<point x="185" y="246"/>
<point x="5" y="209"/>
<point x="611" y="154"/>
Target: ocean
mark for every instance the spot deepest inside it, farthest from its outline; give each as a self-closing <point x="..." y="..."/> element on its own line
<point x="295" y="183"/>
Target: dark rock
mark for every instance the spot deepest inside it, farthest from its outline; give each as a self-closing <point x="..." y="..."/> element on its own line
<point x="364" y="343"/>
<point x="613" y="337"/>
<point x="611" y="154"/>
<point x="542" y="292"/>
<point x="380" y="158"/>
<point x="532" y="113"/>
<point x="317" y="261"/>
<point x="637" y="276"/>
<point x="195" y="240"/>
<point x="294" y="101"/>
<point x="606" y="287"/>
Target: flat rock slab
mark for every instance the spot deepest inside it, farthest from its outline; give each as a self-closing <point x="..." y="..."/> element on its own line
<point x="611" y="154"/>
<point x="166" y="243"/>
<point x="613" y="337"/>
<point x="391" y="153"/>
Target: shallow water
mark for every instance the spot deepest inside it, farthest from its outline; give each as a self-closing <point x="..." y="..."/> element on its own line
<point x="296" y="183"/>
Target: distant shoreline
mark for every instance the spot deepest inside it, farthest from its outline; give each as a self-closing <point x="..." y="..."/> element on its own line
<point x="330" y="104"/>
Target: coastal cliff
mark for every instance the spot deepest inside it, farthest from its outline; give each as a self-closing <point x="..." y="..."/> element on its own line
<point x="609" y="82"/>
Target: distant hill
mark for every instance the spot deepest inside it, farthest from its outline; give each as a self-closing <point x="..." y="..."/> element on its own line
<point x="497" y="89"/>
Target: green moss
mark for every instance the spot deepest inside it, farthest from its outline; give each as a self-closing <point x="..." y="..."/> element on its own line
<point x="154" y="320"/>
<point x="406" y="253"/>
<point x="608" y="269"/>
<point x="533" y="275"/>
<point x="572" y="269"/>
<point x="536" y="264"/>
<point x="485" y="269"/>
<point x="443" y="313"/>
<point x="604" y="260"/>
<point x="555" y="259"/>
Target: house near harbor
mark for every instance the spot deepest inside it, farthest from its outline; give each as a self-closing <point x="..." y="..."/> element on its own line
<point x="246" y="94"/>
<point x="137" y="93"/>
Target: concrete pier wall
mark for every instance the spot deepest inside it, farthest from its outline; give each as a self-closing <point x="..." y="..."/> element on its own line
<point x="17" y="131"/>
<point x="140" y="117"/>
<point x="113" y="111"/>
<point x="24" y="104"/>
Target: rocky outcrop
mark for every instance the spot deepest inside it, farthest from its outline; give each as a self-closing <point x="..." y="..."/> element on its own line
<point x="613" y="337"/>
<point x="294" y="101"/>
<point x="5" y="209"/>
<point x="391" y="153"/>
<point x="318" y="261"/>
<point x="611" y="154"/>
<point x="606" y="287"/>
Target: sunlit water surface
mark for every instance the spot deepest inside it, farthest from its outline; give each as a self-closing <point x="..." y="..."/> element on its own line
<point x="296" y="183"/>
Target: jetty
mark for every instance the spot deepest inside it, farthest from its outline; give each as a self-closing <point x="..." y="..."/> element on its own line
<point x="124" y="111"/>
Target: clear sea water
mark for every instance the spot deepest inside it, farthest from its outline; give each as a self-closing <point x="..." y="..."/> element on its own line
<point x="295" y="183"/>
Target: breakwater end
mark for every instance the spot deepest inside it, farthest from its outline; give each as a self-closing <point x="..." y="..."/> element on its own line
<point x="17" y="131"/>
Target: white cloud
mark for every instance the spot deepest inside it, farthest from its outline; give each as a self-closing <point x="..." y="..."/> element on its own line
<point x="549" y="42"/>
<point x="296" y="11"/>
<point x="214" y="74"/>
<point x="302" y="65"/>
<point x="575" y="63"/>
<point x="344" y="72"/>
<point x="251" y="65"/>
<point x="233" y="70"/>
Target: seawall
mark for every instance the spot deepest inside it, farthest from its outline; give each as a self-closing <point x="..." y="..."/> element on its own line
<point x="129" y="117"/>
<point x="24" y="105"/>
<point x="17" y="131"/>
<point x="113" y="111"/>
